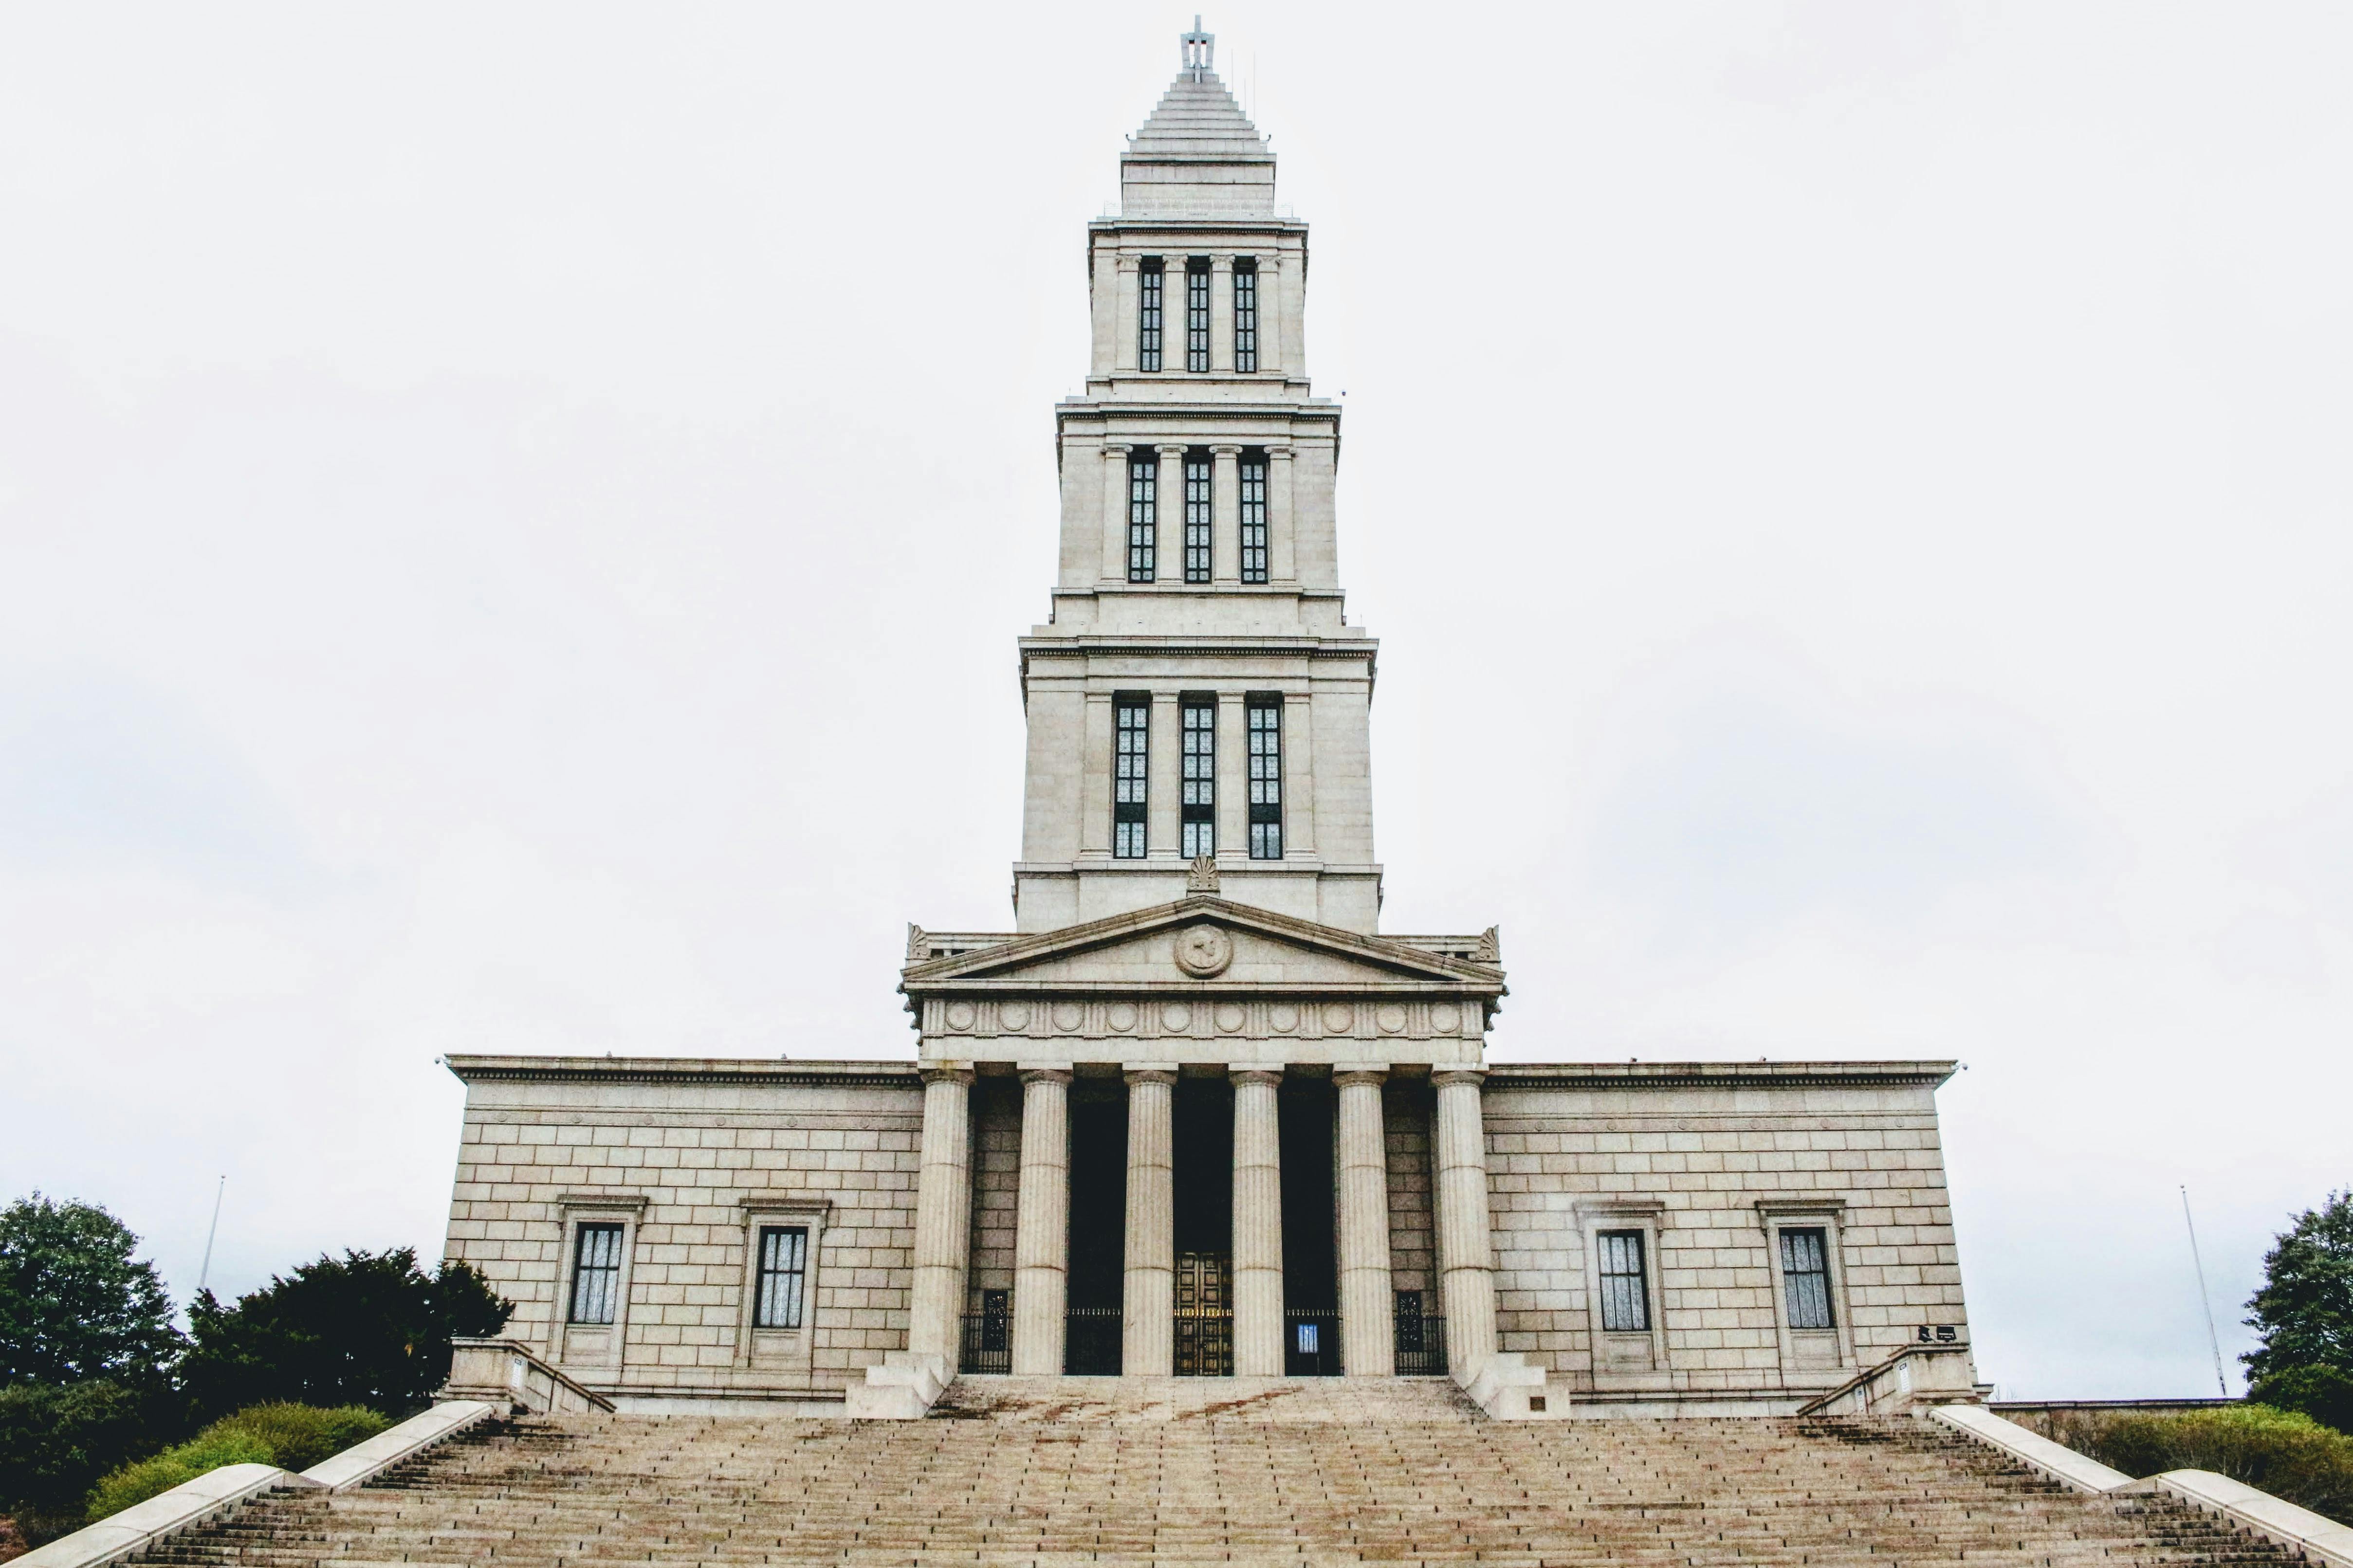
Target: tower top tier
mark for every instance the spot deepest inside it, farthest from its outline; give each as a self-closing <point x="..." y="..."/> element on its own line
<point x="1197" y="155"/>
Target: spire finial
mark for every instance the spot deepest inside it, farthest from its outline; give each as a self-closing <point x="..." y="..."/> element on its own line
<point x="1198" y="46"/>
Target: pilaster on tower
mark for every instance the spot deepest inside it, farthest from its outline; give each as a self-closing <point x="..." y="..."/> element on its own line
<point x="1197" y="685"/>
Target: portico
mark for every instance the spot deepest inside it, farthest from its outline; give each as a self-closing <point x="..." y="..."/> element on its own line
<point x="1225" y="1124"/>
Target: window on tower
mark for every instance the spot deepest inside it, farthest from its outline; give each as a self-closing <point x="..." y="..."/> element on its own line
<point x="1131" y="763"/>
<point x="1266" y="778"/>
<point x="1200" y="814"/>
<point x="1246" y="315"/>
<point x="1148" y="280"/>
<point x="1143" y="530"/>
<point x="1253" y="511"/>
<point x="1197" y="516"/>
<point x="1197" y="315"/>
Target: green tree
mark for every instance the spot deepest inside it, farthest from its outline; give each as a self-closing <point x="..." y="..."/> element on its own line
<point x="87" y="1352"/>
<point x="75" y="1305"/>
<point x="56" y="1442"/>
<point x="2305" y="1314"/>
<point x="369" y="1329"/>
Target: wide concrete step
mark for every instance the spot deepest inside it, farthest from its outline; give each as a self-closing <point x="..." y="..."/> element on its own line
<point x="1066" y="1471"/>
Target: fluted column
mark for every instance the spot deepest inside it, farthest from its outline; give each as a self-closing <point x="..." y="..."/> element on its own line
<point x="1147" y="1326"/>
<point x="1124" y="342"/>
<point x="1103" y="301"/>
<point x="1115" y="512"/>
<point x="1465" y="1248"/>
<point x="1258" y="1226"/>
<point x="1226" y="514"/>
<point x="1368" y="1300"/>
<point x="1169" y="508"/>
<point x="1282" y="545"/>
<point x="1041" y="1235"/>
<point x="1221" y="312"/>
<point x="943" y="1215"/>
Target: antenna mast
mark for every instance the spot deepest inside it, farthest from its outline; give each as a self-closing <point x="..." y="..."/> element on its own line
<point x="2205" y="1303"/>
<point x="212" y="1230"/>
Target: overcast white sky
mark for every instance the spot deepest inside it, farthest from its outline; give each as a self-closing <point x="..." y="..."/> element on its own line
<point x="513" y="521"/>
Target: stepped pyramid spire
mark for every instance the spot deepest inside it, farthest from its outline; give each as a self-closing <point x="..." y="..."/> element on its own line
<point x="1198" y="155"/>
<point x="1198" y="706"/>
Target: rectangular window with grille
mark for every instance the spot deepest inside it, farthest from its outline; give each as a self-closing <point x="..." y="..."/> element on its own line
<point x="1200" y="828"/>
<point x="1246" y="315"/>
<point x="595" y="1273"/>
<point x="1266" y="778"/>
<point x="1197" y="516"/>
<point x="1143" y="525"/>
<point x="1131" y="761"/>
<point x="784" y="1268"/>
<point x="1805" y="1277"/>
<point x="1197" y="315"/>
<point x="1253" y="511"/>
<point x="1624" y="1288"/>
<point x="1148" y="279"/>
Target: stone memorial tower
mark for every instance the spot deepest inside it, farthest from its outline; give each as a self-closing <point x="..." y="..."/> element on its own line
<point x="1196" y="1114"/>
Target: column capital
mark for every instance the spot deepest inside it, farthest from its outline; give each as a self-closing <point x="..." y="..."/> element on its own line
<point x="1280" y="454"/>
<point x="1226" y="449"/>
<point x="1172" y="449"/>
<point x="1116" y="449"/>
<point x="1044" y="1073"/>
<point x="1373" y="1073"/>
<point x="1149" y="1075"/>
<point x="1449" y="1078"/>
<point x="947" y="1075"/>
<point x="1271" y="1077"/>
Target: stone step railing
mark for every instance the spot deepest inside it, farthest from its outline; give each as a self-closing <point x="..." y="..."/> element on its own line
<point x="2315" y="1538"/>
<point x="509" y="1372"/>
<point x="1913" y="1377"/>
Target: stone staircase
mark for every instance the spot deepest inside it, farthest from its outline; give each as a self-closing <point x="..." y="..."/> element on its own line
<point x="1200" y="1470"/>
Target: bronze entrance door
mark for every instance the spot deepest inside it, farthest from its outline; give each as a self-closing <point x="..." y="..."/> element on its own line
<point x="1205" y="1314"/>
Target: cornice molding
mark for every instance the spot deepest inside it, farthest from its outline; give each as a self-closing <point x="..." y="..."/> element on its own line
<point x="684" y="1070"/>
<point x="1507" y="1076"/>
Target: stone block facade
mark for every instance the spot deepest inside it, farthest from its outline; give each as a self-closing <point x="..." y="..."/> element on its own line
<point x="689" y="1158"/>
<point x="1709" y="1162"/>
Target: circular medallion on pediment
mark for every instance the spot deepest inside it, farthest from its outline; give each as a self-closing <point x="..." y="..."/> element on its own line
<point x="1232" y="1017"/>
<point x="1013" y="1014"/>
<point x="1339" y="1019"/>
<point x="1121" y="1016"/>
<point x="1069" y="1015"/>
<point x="961" y="1015"/>
<point x="1392" y="1019"/>
<point x="1177" y="1017"/>
<point x="1446" y="1018"/>
<point x="1204" y="950"/>
<point x="1283" y="1017"/>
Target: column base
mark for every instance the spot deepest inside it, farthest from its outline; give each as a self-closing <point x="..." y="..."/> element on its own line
<point x="1509" y="1389"/>
<point x="904" y="1388"/>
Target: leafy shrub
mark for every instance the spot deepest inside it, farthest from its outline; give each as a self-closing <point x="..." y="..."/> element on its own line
<point x="2284" y="1453"/>
<point x="299" y="1435"/>
<point x="181" y="1463"/>
<point x="291" y="1437"/>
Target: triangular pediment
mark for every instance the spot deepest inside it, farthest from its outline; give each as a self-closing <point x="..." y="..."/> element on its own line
<point x="1202" y="942"/>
